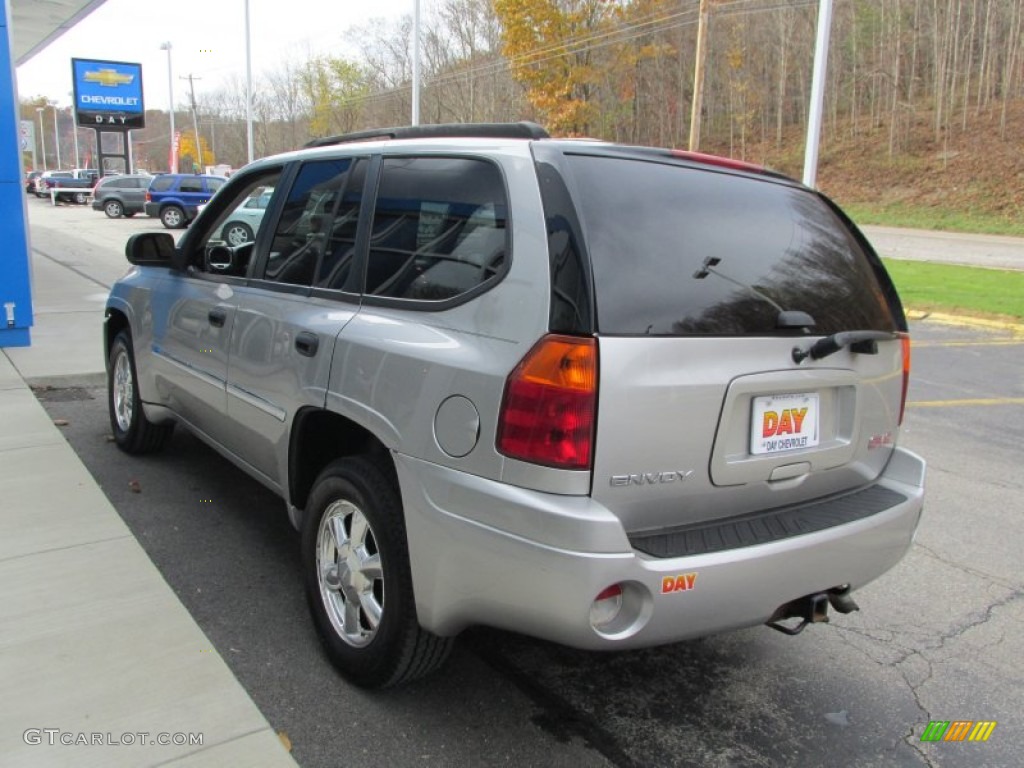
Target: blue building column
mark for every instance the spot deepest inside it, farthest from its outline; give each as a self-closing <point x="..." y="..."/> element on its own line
<point x="15" y="285"/>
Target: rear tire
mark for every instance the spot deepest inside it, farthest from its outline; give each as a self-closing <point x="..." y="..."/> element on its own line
<point x="113" y="209"/>
<point x="355" y="560"/>
<point x="80" y="198"/>
<point x="237" y="233"/>
<point x="133" y="432"/>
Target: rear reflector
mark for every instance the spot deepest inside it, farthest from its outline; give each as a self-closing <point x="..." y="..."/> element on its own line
<point x="905" y="343"/>
<point x="606" y="607"/>
<point x="547" y="412"/>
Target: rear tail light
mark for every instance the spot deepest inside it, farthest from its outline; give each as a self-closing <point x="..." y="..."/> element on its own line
<point x="548" y="410"/>
<point x="149" y="197"/>
<point x="905" y="343"/>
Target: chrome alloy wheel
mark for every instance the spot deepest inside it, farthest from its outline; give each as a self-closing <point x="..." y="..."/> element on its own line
<point x="124" y="391"/>
<point x="349" y="573"/>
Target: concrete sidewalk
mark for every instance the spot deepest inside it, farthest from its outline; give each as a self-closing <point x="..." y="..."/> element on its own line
<point x="101" y="664"/>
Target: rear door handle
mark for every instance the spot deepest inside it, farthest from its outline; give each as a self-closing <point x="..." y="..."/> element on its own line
<point x="307" y="343"/>
<point x="217" y="317"/>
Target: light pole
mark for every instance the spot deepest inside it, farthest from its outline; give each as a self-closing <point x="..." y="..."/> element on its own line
<point x="248" y="88"/>
<point x="172" y="160"/>
<point x="814" y="113"/>
<point x="42" y="136"/>
<point x="56" y="135"/>
<point x="416" y="63"/>
<point x="74" y="125"/>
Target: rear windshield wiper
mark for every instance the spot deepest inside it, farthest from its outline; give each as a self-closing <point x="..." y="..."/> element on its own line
<point x="787" y="319"/>
<point x="863" y="342"/>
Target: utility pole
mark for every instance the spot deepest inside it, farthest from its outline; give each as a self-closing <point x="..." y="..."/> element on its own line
<point x="195" y="120"/>
<point x="698" y="76"/>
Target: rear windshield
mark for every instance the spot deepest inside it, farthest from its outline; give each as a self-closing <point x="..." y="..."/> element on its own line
<point x="679" y="251"/>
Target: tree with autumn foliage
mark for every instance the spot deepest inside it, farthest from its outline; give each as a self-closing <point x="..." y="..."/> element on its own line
<point x="189" y="158"/>
<point x="549" y="47"/>
<point x="334" y="88"/>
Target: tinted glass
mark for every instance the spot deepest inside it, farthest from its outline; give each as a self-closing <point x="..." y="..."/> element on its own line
<point x="190" y="184"/>
<point x="439" y="228"/>
<point x="336" y="265"/>
<point x="161" y="183"/>
<point x="214" y="184"/>
<point x="679" y="251"/>
<point x="303" y="231"/>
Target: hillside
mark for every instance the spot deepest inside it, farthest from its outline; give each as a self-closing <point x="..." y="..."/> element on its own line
<point x="972" y="180"/>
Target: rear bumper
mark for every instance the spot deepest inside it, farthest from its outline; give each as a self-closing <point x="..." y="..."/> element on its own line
<point x="488" y="553"/>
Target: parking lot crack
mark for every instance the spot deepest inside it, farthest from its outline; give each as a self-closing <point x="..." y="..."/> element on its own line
<point x="983" y="575"/>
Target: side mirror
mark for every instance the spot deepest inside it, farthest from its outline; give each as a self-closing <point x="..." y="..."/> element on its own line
<point x="219" y="258"/>
<point x="150" y="249"/>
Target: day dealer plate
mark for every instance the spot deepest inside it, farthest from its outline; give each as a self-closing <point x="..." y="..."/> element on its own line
<point x="784" y="423"/>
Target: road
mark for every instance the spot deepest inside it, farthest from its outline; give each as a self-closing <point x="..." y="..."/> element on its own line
<point x="938" y="638"/>
<point x="947" y="247"/>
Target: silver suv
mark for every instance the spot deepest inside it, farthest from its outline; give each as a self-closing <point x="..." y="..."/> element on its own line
<point x="604" y="395"/>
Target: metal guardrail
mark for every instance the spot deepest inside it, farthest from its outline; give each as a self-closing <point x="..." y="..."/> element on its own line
<point x="54" y="191"/>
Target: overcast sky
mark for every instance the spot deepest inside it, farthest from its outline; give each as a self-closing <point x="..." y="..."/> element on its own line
<point x="207" y="39"/>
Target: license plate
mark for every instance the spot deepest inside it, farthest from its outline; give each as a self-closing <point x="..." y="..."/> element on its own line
<point x="784" y="423"/>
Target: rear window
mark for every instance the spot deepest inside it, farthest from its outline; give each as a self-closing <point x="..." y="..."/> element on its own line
<point x="679" y="251"/>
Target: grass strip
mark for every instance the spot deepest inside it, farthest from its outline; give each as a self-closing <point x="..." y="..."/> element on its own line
<point x="995" y="293"/>
<point x="923" y="217"/>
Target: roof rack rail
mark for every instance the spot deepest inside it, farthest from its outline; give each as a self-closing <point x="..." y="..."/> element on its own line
<point x="520" y="130"/>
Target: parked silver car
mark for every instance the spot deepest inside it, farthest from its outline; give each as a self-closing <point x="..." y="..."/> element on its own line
<point x="609" y="396"/>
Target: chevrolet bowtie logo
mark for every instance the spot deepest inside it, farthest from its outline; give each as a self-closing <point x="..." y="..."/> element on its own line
<point x="108" y="77"/>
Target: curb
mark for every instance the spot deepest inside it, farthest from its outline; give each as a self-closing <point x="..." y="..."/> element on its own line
<point x="1017" y="329"/>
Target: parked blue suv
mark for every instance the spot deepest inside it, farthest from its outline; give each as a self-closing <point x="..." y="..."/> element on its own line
<point x="174" y="197"/>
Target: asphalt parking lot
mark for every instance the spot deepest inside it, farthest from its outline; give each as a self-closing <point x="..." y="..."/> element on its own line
<point x="938" y="638"/>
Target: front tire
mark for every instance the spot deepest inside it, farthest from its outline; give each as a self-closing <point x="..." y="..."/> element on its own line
<point x="113" y="209"/>
<point x="80" y="198"/>
<point x="133" y="432"/>
<point x="172" y="217"/>
<point x="355" y="560"/>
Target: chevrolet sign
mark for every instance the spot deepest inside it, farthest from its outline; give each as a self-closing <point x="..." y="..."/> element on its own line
<point x="108" y="94"/>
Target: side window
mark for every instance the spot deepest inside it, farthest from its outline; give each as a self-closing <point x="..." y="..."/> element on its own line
<point x="302" y="237"/>
<point x="336" y="265"/>
<point x="227" y="245"/>
<point x="191" y="184"/>
<point x="214" y="184"/>
<point x="439" y="228"/>
<point x="161" y="183"/>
